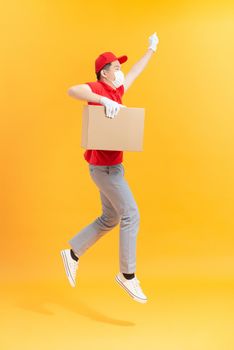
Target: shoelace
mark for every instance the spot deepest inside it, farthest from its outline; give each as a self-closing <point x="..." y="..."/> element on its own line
<point x="137" y="286"/>
<point x="74" y="267"/>
<point x="136" y="282"/>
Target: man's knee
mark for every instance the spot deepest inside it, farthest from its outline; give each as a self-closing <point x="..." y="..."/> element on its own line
<point x="131" y="214"/>
<point x="108" y="222"/>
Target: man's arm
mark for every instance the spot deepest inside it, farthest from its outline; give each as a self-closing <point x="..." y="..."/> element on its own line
<point x="136" y="69"/>
<point x="83" y="92"/>
<point x="140" y="65"/>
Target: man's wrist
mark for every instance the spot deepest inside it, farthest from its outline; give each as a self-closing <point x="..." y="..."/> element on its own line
<point x="100" y="99"/>
<point x="152" y="50"/>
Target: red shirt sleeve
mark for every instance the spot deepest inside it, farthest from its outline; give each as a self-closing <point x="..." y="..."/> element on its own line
<point x="95" y="87"/>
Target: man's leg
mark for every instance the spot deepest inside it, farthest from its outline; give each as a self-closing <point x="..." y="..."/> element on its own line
<point x="95" y="230"/>
<point x="111" y="182"/>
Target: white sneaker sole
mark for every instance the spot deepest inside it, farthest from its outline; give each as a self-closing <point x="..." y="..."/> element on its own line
<point x="140" y="300"/>
<point x="67" y="270"/>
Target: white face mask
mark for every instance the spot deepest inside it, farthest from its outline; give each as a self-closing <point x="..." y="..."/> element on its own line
<point x="119" y="78"/>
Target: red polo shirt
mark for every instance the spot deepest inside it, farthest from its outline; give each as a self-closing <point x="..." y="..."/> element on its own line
<point x="103" y="157"/>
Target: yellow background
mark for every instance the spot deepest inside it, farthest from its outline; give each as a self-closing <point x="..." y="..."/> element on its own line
<point x="182" y="181"/>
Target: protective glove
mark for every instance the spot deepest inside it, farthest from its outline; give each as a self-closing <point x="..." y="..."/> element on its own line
<point x="111" y="107"/>
<point x="153" y="41"/>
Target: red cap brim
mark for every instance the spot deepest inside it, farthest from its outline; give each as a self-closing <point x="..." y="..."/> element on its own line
<point x="122" y="59"/>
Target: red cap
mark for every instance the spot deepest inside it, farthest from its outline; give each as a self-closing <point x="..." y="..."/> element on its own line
<point x="107" y="57"/>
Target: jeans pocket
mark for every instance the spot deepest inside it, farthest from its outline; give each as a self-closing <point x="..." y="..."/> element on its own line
<point x="98" y="169"/>
<point x="91" y="168"/>
<point x="123" y="170"/>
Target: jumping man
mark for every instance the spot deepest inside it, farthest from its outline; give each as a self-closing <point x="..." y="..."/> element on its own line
<point x="107" y="172"/>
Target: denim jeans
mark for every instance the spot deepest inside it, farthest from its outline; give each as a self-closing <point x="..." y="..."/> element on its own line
<point x="118" y="207"/>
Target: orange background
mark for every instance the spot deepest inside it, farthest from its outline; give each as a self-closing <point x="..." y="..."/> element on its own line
<point x="182" y="181"/>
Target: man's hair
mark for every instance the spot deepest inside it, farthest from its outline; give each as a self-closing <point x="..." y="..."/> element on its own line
<point x="107" y="66"/>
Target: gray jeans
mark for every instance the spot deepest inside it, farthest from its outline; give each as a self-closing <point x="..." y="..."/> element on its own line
<point x="118" y="206"/>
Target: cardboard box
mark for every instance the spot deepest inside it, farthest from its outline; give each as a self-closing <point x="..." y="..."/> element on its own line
<point x="124" y="132"/>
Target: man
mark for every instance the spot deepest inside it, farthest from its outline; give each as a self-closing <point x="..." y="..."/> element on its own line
<point x="107" y="172"/>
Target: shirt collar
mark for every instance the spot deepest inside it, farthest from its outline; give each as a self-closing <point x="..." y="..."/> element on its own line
<point x="107" y="86"/>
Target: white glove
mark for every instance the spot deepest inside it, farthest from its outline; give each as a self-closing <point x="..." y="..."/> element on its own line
<point x="111" y="107"/>
<point x="153" y="41"/>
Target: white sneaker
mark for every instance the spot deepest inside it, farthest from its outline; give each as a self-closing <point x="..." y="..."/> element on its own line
<point x="131" y="286"/>
<point x="70" y="266"/>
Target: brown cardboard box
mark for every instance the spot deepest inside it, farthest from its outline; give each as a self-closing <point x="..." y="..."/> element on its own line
<point x="124" y="132"/>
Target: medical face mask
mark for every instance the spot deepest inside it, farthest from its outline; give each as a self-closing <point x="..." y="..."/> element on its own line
<point x="119" y="78"/>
